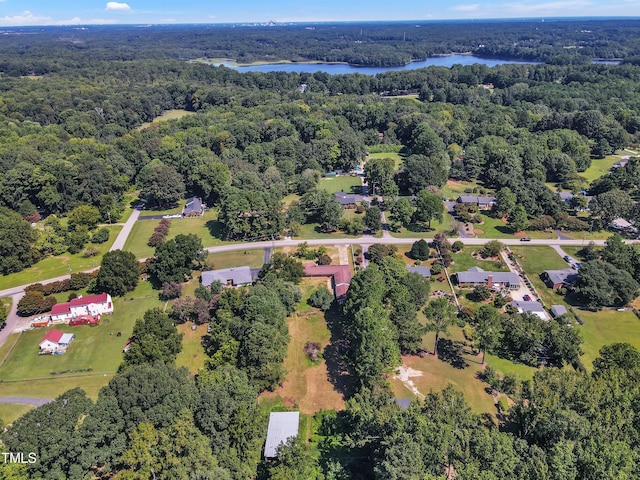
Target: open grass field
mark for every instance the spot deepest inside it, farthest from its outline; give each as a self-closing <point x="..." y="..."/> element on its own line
<point x="166" y="115"/>
<point x="446" y="226"/>
<point x="98" y="347"/>
<point x="192" y="355"/>
<point x="464" y="260"/>
<point x="206" y="227"/>
<point x="307" y="385"/>
<point x="599" y="168"/>
<point x="605" y="327"/>
<point x="59" y="265"/>
<point x="346" y="184"/>
<point x="588" y="236"/>
<point x="52" y="387"/>
<point x="454" y="188"/>
<point x="10" y="412"/>
<point x="492" y="228"/>
<point x="251" y="258"/>
<point x="397" y="158"/>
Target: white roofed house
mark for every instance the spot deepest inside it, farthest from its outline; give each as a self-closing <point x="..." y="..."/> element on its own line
<point x="283" y="426"/>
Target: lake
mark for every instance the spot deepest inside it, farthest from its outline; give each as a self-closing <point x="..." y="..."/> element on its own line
<point x="341" y="68"/>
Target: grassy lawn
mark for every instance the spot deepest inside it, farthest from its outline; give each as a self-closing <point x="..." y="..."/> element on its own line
<point x="454" y="188"/>
<point x="52" y="387"/>
<point x="252" y="258"/>
<point x="346" y="184"/>
<point x="534" y="260"/>
<point x="98" y="347"/>
<point x="463" y="261"/>
<point x="166" y="115"/>
<point x="492" y="228"/>
<point x="59" y="265"/>
<point x="599" y="168"/>
<point x="605" y="327"/>
<point x="10" y="412"/>
<point x="396" y="157"/>
<point x="192" y="355"/>
<point x="206" y="227"/>
<point x="306" y="384"/>
<point x="588" y="236"/>
<point x="294" y="197"/>
<point x="414" y="231"/>
<point x="504" y="366"/>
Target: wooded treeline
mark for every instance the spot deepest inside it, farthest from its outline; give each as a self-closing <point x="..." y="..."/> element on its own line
<point x="554" y="41"/>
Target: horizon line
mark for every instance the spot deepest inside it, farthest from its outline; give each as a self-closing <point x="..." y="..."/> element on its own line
<point x="314" y="22"/>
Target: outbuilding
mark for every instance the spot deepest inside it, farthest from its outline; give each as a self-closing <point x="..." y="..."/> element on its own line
<point x="283" y="426"/>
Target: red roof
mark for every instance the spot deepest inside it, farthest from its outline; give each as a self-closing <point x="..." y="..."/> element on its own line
<point x="341" y="276"/>
<point x="62" y="308"/>
<point x="53" y="336"/>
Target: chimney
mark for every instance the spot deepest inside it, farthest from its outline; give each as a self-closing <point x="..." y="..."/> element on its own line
<point x="490" y="280"/>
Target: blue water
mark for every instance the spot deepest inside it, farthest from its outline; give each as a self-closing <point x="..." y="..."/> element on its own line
<point x="340" y="68"/>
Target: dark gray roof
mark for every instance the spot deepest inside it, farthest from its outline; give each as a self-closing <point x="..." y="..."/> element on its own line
<point x="477" y="275"/>
<point x="565" y="196"/>
<point x="424" y="271"/>
<point x="403" y="403"/>
<point x="282" y="426"/>
<point x="557" y="310"/>
<point x="348" y="198"/>
<point x="566" y="276"/>
<point x="237" y="275"/>
<point x="527" y="306"/>
<point x="194" y="204"/>
<point x="476" y="199"/>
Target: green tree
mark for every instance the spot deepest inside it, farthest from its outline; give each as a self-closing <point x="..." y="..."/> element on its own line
<point x="487" y="329"/>
<point x="16" y="240"/>
<point x="4" y="312"/>
<point x="518" y="219"/>
<point x="294" y="462"/>
<point x="601" y="284"/>
<point x="505" y="202"/>
<point x="176" y="258"/>
<point x="372" y="219"/>
<point x="611" y="205"/>
<point x="373" y="343"/>
<point x="155" y="338"/>
<point x="401" y="212"/>
<point x="160" y="184"/>
<point x="428" y="207"/>
<point x="83" y="216"/>
<point x="378" y="172"/>
<point x="441" y="314"/>
<point x="321" y="298"/>
<point x="617" y="355"/>
<point x="35" y="302"/>
<point x="119" y="273"/>
<point x="284" y="267"/>
<point x="420" y="250"/>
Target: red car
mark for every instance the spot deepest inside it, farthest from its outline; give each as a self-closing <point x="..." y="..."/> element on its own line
<point x="527" y="298"/>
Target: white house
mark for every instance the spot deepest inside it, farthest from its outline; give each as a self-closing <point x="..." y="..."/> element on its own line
<point x="93" y="305"/>
<point x="55" y="341"/>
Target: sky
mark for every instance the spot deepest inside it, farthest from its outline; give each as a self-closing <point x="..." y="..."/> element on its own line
<point x="87" y="12"/>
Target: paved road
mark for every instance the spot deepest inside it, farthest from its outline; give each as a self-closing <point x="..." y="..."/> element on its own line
<point x="124" y="233"/>
<point x="37" y="402"/>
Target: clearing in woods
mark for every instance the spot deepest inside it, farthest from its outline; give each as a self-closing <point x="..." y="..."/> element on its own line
<point x="307" y="384"/>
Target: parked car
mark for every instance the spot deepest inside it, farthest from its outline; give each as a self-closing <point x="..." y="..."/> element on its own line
<point x="527" y="298"/>
<point x="525" y="239"/>
<point x="567" y="258"/>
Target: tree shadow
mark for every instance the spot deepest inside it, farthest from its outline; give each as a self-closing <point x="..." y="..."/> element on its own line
<point x="504" y="229"/>
<point x="215" y="229"/>
<point x="451" y="352"/>
<point x="418" y="228"/>
<point x="335" y="353"/>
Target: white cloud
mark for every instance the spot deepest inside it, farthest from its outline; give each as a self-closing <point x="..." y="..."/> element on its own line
<point x="80" y="21"/>
<point x="25" y="18"/>
<point x="118" y="6"/>
<point x="467" y="8"/>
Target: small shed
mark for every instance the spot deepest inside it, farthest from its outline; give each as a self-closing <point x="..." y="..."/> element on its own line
<point x="558" y="310"/>
<point x="420" y="270"/>
<point x="282" y="427"/>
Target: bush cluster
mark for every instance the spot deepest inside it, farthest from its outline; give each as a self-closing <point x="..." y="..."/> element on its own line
<point x="78" y="281"/>
<point x="159" y="233"/>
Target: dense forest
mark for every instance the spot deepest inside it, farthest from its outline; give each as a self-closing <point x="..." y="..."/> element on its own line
<point x="71" y="149"/>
